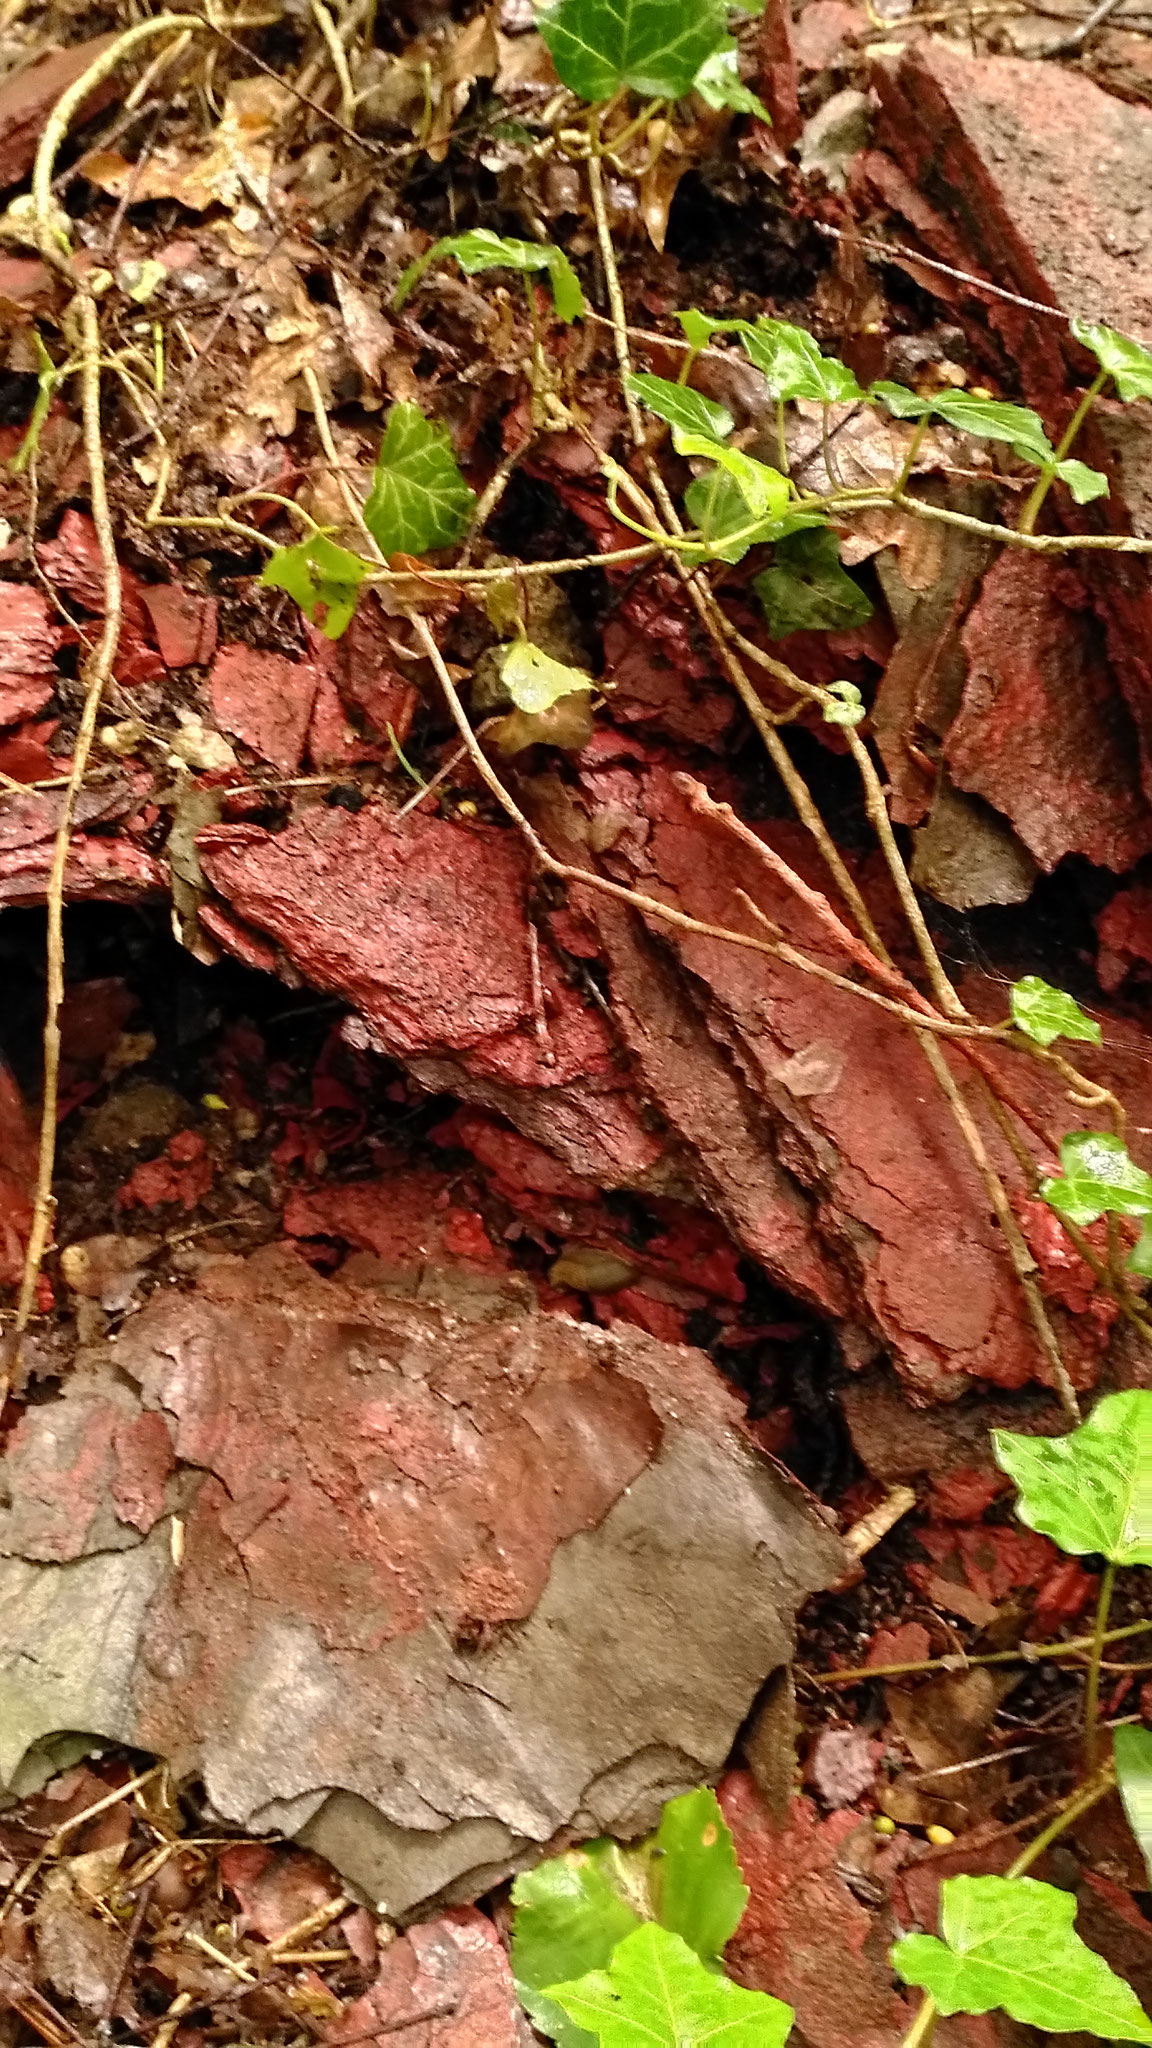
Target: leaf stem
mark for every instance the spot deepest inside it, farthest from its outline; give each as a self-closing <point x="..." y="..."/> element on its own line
<point x="1092" y="1686"/>
<point x="1087" y="1797"/>
<point x="1026" y="1654"/>
<point x="1045" y="480"/>
<point x="923" y="2026"/>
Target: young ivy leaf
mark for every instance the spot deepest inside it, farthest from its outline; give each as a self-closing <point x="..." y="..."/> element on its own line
<point x="1099" y="1179"/>
<point x="1009" y="1943"/>
<point x="570" y="1913"/>
<point x="793" y="365"/>
<point x="994" y="419"/>
<point x="480" y="249"/>
<point x="1140" y="1257"/>
<point x="418" y="500"/>
<point x="1128" y="365"/>
<point x="655" y="46"/>
<point x="535" y="682"/>
<point x="1045" y="1013"/>
<point x="718" y="508"/>
<point x="847" y="706"/>
<point x="719" y="84"/>
<point x="1085" y="484"/>
<point x="324" y="580"/>
<point x="807" y="590"/>
<point x="1132" y="1749"/>
<point x="764" y="490"/>
<point x="902" y="403"/>
<point x="680" y="405"/>
<point x="1090" y="1490"/>
<point x="700" y="1892"/>
<point x="656" y="1993"/>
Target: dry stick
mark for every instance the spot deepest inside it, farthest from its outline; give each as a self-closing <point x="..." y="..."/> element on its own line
<point x="1028" y="1653"/>
<point x="55" y="1843"/>
<point x="98" y="667"/>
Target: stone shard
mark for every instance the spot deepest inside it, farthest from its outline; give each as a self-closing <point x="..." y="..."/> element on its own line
<point x="447" y="1586"/>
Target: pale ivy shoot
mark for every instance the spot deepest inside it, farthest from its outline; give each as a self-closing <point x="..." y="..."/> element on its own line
<point x="719" y="84"/>
<point x="764" y="490"/>
<point x="479" y="249"/>
<point x="846" y="707"/>
<point x="1045" y="1013"/>
<point x="535" y="682"/>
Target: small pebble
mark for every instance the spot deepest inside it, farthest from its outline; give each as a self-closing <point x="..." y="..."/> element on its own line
<point x="883" y="1825"/>
<point x="940" y="1837"/>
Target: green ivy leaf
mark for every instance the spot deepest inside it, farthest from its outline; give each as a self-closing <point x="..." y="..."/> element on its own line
<point x="1009" y="1943"/>
<point x="718" y="508"/>
<point x="1085" y="484"/>
<point x="847" y="706"/>
<point x="700" y="1892"/>
<point x="807" y="589"/>
<point x="1044" y="1013"/>
<point x="793" y="365"/>
<point x="655" y="1993"/>
<point x="680" y="405"/>
<point x="764" y="490"/>
<point x="570" y="1913"/>
<point x="1128" y="365"/>
<point x="1132" y="1749"/>
<point x="719" y="84"/>
<point x="1099" y="1179"/>
<point x="994" y="419"/>
<point x="1090" y="1490"/>
<point x="479" y="249"/>
<point x="655" y="46"/>
<point x="324" y="580"/>
<point x="1140" y="1257"/>
<point x="418" y="500"/>
<point x="904" y="404"/>
<point x="535" y="682"/>
<point x="700" y="327"/>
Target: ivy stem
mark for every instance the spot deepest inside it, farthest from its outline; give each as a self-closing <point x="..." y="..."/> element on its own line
<point x="1088" y="1796"/>
<point x="1092" y="1687"/>
<point x="1046" y="478"/>
<point x="923" y="2026"/>
<point x="913" y="450"/>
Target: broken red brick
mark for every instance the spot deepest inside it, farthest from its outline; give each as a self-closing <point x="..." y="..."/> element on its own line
<point x="183" y="622"/>
<point x="446" y="1980"/>
<point x="29" y="95"/>
<point x="184" y="1173"/>
<point x="265" y="700"/>
<point x="1124" y="929"/>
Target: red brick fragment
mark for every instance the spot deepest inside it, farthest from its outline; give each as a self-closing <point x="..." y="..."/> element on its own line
<point x="28" y="97"/>
<point x="450" y="1979"/>
<point x="1124" y="929"/>
<point x="184" y="1173"/>
<point x="265" y="700"/>
<point x="183" y="622"/>
<point x="17" y="1179"/>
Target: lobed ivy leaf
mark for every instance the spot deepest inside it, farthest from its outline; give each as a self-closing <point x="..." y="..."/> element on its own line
<point x="807" y="589"/>
<point x="719" y="84"/>
<point x="718" y="508"/>
<point x="1085" y="484"/>
<point x="793" y="365"/>
<point x="418" y="500"/>
<point x="479" y="249"/>
<point x="1009" y="1944"/>
<point x="1132" y="1749"/>
<point x="656" y="1993"/>
<point x="655" y="46"/>
<point x="1045" y="1013"/>
<point x="680" y="405"/>
<point x="535" y="681"/>
<point x="1128" y="365"/>
<point x="764" y="490"/>
<point x="323" y="578"/>
<point x="902" y="403"/>
<point x="699" y="1889"/>
<point x="1099" y="1179"/>
<point x="1090" y="1490"/>
<point x="700" y="327"/>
